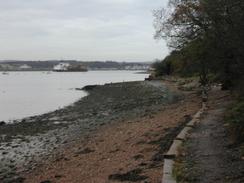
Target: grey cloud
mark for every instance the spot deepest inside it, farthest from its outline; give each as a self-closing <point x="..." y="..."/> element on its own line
<point x="53" y="29"/>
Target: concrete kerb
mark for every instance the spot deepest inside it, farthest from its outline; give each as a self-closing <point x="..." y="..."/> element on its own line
<point x="184" y="133"/>
<point x="173" y="152"/>
<point x="168" y="171"/>
<point x="193" y="122"/>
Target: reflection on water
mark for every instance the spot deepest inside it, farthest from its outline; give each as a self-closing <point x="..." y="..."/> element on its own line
<point x="24" y="94"/>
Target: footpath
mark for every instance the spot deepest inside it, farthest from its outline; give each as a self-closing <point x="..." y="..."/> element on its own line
<point x="209" y="155"/>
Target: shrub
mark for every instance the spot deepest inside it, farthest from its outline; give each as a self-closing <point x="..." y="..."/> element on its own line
<point x="235" y="118"/>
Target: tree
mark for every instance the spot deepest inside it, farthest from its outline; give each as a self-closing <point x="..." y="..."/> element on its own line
<point x="183" y="22"/>
<point x="208" y="31"/>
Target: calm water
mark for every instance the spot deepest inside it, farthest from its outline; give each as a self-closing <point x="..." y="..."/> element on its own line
<point x="25" y="94"/>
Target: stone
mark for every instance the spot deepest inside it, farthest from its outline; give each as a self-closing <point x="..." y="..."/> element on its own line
<point x="2" y="123"/>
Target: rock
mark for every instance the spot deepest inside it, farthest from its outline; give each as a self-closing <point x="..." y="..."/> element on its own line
<point x="2" y="123"/>
<point x="55" y="118"/>
<point x="46" y="181"/>
<point x="133" y="176"/>
<point x="85" y="151"/>
<point x="88" y="87"/>
<point x="15" y="179"/>
<point x="139" y="156"/>
<point x="58" y="176"/>
<point x="56" y="123"/>
<point x="4" y="152"/>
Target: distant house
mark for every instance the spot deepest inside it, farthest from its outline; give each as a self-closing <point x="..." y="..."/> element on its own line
<point x="6" y="67"/>
<point x="25" y="67"/>
<point x="66" y="67"/>
<point x="61" y="67"/>
<point x="137" y="67"/>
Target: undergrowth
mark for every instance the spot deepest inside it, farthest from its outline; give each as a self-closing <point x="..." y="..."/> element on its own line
<point x="235" y="119"/>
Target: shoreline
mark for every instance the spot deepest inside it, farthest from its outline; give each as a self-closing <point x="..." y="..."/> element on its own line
<point x="25" y="144"/>
<point x="49" y="92"/>
<point x="126" y="151"/>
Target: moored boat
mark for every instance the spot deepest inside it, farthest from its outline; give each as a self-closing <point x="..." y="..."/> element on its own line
<point x="66" y="67"/>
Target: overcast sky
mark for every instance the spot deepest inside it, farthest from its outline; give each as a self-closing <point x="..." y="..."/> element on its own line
<point x="79" y="29"/>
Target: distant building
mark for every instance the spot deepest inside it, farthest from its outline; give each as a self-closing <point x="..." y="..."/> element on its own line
<point x="6" y="67"/>
<point x="61" y="67"/>
<point x="66" y="67"/>
<point x="137" y="67"/>
<point x="25" y="67"/>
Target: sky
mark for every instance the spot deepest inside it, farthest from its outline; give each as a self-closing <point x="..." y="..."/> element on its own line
<point x="87" y="30"/>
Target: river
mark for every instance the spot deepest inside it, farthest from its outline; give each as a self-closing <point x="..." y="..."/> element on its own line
<point x="24" y="94"/>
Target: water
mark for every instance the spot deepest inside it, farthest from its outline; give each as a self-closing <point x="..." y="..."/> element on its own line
<point x="24" y="94"/>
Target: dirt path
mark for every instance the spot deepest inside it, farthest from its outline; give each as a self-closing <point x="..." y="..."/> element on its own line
<point x="210" y="156"/>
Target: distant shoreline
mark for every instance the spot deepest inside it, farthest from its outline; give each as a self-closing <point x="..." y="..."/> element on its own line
<point x="50" y="70"/>
<point x="18" y="65"/>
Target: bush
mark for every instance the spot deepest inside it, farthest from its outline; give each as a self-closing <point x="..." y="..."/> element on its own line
<point x="162" y="68"/>
<point x="235" y="118"/>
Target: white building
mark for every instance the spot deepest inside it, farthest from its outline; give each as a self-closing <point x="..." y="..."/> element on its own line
<point x="24" y="67"/>
<point x="61" y="67"/>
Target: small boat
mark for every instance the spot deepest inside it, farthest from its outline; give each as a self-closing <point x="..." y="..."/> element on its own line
<point x="5" y="73"/>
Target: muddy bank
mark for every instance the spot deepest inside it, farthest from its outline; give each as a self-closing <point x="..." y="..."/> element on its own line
<point x="25" y="143"/>
<point x="123" y="151"/>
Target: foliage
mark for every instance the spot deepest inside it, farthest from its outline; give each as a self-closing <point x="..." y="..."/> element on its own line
<point x="210" y="39"/>
<point x="209" y="34"/>
<point x="235" y="118"/>
<point x="167" y="66"/>
<point x="184" y="62"/>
